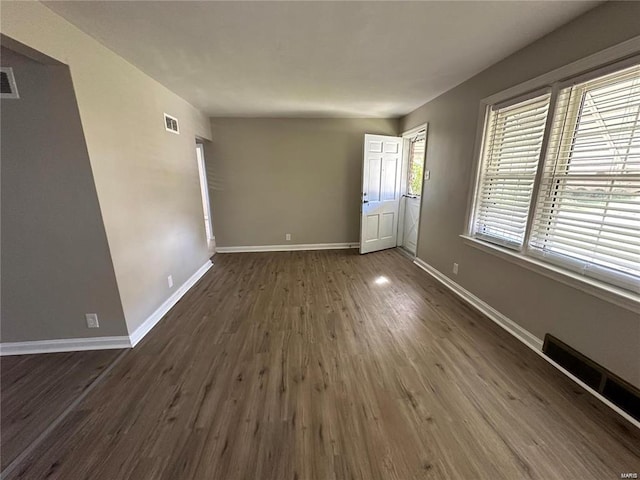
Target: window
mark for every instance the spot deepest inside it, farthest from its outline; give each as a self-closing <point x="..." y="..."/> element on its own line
<point x="580" y="169"/>
<point x="511" y="151"/>
<point x="416" y="164"/>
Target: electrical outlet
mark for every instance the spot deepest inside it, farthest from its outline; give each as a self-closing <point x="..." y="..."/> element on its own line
<point x="92" y="320"/>
<point x="427" y="174"/>
<point x="287" y="236"/>
<point x="170" y="280"/>
<point x="455" y="268"/>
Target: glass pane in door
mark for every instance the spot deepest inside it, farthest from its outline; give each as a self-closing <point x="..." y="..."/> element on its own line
<point x="416" y="165"/>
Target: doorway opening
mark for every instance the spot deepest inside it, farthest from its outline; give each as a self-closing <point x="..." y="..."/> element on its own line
<point x="206" y="205"/>
<point x="413" y="177"/>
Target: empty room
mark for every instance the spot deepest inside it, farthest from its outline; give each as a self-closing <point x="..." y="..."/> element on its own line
<point x="315" y="240"/>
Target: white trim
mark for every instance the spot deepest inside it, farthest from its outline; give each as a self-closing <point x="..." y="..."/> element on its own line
<point x="618" y="296"/>
<point x="211" y="246"/>
<point x="526" y="337"/>
<point x="140" y="332"/>
<point x="407" y="136"/>
<point x="204" y="190"/>
<point x="509" y="325"/>
<point x="413" y="132"/>
<point x="287" y="248"/>
<point x="104" y="343"/>
<point x="478" y="153"/>
<point x="583" y="65"/>
<point x="610" y="59"/>
<point x="544" y="148"/>
<point x="64" y="345"/>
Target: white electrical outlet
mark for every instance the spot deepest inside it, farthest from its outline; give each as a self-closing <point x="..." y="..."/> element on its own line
<point x="170" y="280"/>
<point x="455" y="268"/>
<point x="427" y="174"/>
<point x="287" y="236"/>
<point x="92" y="320"/>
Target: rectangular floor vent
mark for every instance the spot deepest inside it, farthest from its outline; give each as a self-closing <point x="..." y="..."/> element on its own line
<point x="608" y="384"/>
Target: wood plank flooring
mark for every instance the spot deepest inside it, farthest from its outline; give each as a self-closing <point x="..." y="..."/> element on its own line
<point x="331" y="365"/>
<point x="36" y="389"/>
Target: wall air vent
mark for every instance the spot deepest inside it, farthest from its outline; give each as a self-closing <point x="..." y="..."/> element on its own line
<point x="171" y="124"/>
<point x="8" y="88"/>
<point x="606" y="383"/>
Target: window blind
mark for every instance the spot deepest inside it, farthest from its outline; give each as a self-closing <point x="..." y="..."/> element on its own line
<point x="587" y="215"/>
<point x="512" y="143"/>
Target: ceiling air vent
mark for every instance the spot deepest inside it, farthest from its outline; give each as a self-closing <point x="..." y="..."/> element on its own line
<point x="8" y="87"/>
<point x="171" y="124"/>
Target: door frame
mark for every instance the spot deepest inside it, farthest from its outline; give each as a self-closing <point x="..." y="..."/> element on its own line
<point x="407" y="136"/>
<point x="204" y="191"/>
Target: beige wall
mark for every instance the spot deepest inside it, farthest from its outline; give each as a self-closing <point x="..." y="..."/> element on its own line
<point x="302" y="176"/>
<point x="56" y="264"/>
<point x="607" y="333"/>
<point x="146" y="178"/>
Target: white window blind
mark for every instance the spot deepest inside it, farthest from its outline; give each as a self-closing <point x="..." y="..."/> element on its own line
<point x="512" y="142"/>
<point x="587" y="215"/>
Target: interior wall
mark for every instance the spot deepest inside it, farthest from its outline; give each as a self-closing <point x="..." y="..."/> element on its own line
<point x="303" y="176"/>
<point x="607" y="333"/>
<point x="146" y="178"/>
<point x="56" y="264"/>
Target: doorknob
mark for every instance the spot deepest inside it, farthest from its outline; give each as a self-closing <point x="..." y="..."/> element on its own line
<point x="365" y="201"/>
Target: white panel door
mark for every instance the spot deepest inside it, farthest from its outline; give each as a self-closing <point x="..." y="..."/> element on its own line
<point x="381" y="172"/>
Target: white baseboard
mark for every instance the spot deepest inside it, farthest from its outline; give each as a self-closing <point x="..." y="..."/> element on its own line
<point x="64" y="345"/>
<point x="526" y="337"/>
<point x="104" y="343"/>
<point x="140" y="332"/>
<point x="509" y="325"/>
<point x="287" y="248"/>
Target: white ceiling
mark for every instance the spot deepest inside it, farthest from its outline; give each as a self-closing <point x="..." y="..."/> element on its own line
<point x="315" y="58"/>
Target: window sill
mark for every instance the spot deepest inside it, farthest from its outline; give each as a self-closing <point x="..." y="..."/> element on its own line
<point x="618" y="296"/>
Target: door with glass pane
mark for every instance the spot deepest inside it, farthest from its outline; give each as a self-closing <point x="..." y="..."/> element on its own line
<point x="412" y="192"/>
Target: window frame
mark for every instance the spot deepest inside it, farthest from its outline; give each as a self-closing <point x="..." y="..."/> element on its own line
<point x="607" y="61"/>
<point x="480" y="160"/>
<point x="601" y="272"/>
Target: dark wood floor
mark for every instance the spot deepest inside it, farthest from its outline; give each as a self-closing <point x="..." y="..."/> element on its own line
<point x="36" y="389"/>
<point x="331" y="365"/>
